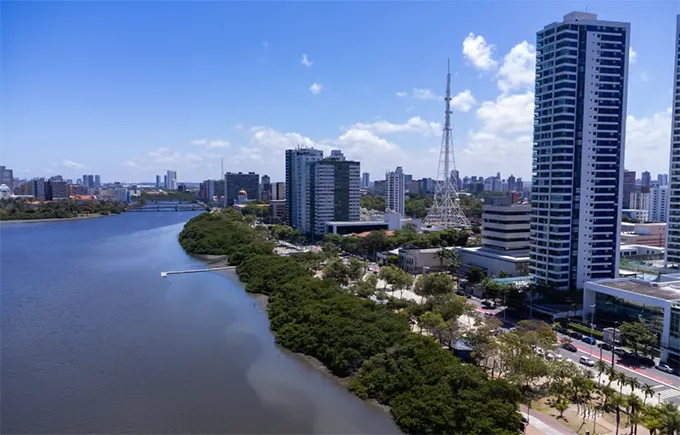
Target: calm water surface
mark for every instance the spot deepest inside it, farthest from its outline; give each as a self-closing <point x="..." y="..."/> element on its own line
<point x="95" y="341"/>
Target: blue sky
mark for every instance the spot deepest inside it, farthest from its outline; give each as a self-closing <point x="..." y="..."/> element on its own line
<point x="130" y="89"/>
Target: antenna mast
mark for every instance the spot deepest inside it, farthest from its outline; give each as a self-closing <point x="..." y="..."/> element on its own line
<point x="445" y="211"/>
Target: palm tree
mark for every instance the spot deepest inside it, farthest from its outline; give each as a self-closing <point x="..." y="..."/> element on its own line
<point x="611" y="374"/>
<point x="635" y="406"/>
<point x="669" y="419"/>
<point x="622" y="380"/>
<point x="651" y="419"/>
<point x="633" y="383"/>
<point x="617" y="401"/>
<point x="601" y="366"/>
<point x="648" y="391"/>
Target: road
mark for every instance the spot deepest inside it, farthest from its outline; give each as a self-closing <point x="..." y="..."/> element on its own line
<point x="667" y="386"/>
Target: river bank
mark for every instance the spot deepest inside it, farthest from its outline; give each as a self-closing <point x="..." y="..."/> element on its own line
<point x="77" y="218"/>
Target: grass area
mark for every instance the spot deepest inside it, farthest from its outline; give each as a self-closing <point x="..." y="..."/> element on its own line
<point x="569" y="420"/>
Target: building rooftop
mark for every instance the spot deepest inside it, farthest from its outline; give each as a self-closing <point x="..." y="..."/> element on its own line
<point x="667" y="291"/>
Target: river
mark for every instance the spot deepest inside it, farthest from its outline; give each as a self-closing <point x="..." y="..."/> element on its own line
<point x="95" y="341"/>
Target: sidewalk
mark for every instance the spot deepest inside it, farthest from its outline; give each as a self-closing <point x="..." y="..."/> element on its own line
<point x="541" y="424"/>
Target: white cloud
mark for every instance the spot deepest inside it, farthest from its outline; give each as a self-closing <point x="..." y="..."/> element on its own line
<point x="424" y="94"/>
<point x="478" y="52"/>
<point x="414" y="125"/>
<point x="463" y="101"/>
<point x="306" y="62"/>
<point x="276" y="142"/>
<point x="71" y="164"/>
<point x="316" y="88"/>
<point x="163" y="155"/>
<point x="508" y="113"/>
<point x="632" y="55"/>
<point x="648" y="141"/>
<point x="211" y="143"/>
<point x="519" y="68"/>
<point x="402" y="94"/>
<point x="193" y="157"/>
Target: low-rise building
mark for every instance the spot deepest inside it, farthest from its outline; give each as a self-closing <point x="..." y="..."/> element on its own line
<point x="417" y="261"/>
<point x="386" y="221"/>
<point x="651" y="234"/>
<point x="641" y="252"/>
<point x="633" y="300"/>
<point x="640" y="215"/>
<point x="506" y="229"/>
<point x="277" y="209"/>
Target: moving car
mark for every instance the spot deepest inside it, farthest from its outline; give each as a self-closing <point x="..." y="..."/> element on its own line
<point x="570" y="347"/>
<point x="589" y="340"/>
<point x="586" y="361"/>
<point x="487" y="304"/>
<point x="665" y="368"/>
<point x="576" y="335"/>
<point x="605" y="346"/>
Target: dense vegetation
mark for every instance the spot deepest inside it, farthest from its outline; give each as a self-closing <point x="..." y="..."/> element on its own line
<point x="170" y="195"/>
<point x="427" y="388"/>
<point x="416" y="205"/>
<point x="21" y="209"/>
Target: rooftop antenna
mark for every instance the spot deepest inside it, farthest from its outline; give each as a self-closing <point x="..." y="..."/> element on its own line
<point x="445" y="211"/>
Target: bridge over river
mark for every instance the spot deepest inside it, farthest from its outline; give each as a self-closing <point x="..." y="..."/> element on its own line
<point x="169" y="206"/>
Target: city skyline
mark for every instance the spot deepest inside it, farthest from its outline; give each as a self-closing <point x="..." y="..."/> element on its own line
<point x="383" y="111"/>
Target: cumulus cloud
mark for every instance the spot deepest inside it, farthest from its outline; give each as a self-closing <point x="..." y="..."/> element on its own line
<point x="632" y="55"/>
<point x="648" y="142"/>
<point x="518" y="70"/>
<point x="316" y="88"/>
<point x="306" y="62"/>
<point x="211" y="143"/>
<point x="71" y="164"/>
<point x="402" y="94"/>
<point x="463" y="101"/>
<point x="424" y="94"/>
<point x="414" y="125"/>
<point x="478" y="52"/>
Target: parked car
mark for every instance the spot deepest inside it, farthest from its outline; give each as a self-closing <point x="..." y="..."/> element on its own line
<point x="605" y="346"/>
<point x="576" y="335"/>
<point x="647" y="361"/>
<point x="487" y="304"/>
<point x="562" y="330"/>
<point x="589" y="340"/>
<point x="570" y="347"/>
<point x="665" y="368"/>
<point x="586" y="361"/>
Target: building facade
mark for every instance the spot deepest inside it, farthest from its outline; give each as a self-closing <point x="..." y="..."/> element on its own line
<point x="7" y="178"/>
<point x="158" y="181"/>
<point x="237" y="181"/>
<point x="673" y="237"/>
<point x="658" y="204"/>
<point x="628" y="187"/>
<point x="266" y="188"/>
<point x="297" y="187"/>
<point x="278" y="191"/>
<point x="579" y="137"/>
<point x="171" y="183"/>
<point x="639" y="201"/>
<point x="395" y="191"/>
<point x="334" y="192"/>
<point x="365" y="180"/>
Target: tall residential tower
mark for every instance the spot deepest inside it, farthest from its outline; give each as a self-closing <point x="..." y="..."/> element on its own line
<point x="298" y="163"/>
<point x="579" y="137"/>
<point x="673" y="236"/>
<point x="395" y="191"/>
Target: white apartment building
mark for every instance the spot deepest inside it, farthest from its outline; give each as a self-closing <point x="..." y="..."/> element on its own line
<point x="673" y="238"/>
<point x="640" y="200"/>
<point x="298" y="163"/>
<point x="395" y="191"/>
<point x="334" y="192"/>
<point x="172" y="180"/>
<point x="579" y="137"/>
<point x="658" y="204"/>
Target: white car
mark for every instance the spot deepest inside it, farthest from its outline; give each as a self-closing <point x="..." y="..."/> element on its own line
<point x="550" y="356"/>
<point x="586" y="361"/>
<point x="539" y="351"/>
<point x="665" y="368"/>
<point x="559" y="357"/>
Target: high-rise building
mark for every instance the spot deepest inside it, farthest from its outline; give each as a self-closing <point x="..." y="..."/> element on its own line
<point x="37" y="189"/>
<point x="7" y="178"/>
<point x="165" y="182"/>
<point x="266" y="190"/>
<point x="395" y="191"/>
<point x="237" y="181"/>
<point x="97" y="181"/>
<point x="673" y="237"/>
<point x="56" y="190"/>
<point x="334" y="192"/>
<point x="171" y="183"/>
<point x="158" y="181"/>
<point x="662" y="179"/>
<point x="628" y="187"/>
<point x="278" y="191"/>
<point x="658" y="204"/>
<point x="646" y="179"/>
<point x="365" y="180"/>
<point x="85" y="181"/>
<point x="512" y="183"/>
<point x="579" y="137"/>
<point x="639" y="201"/>
<point x="298" y="168"/>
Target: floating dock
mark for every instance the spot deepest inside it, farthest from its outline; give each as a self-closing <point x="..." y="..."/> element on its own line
<point x="178" y="272"/>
